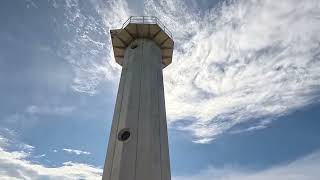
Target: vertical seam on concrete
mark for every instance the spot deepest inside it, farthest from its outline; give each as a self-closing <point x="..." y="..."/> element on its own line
<point x="159" y="89"/>
<point x="138" y="122"/>
<point x="115" y="139"/>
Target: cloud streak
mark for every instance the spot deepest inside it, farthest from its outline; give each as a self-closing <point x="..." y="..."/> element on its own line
<point x="240" y="61"/>
<point x="17" y="164"/>
<point x="14" y="165"/>
<point x="49" y="110"/>
<point x="75" y="151"/>
<point x="88" y="48"/>
<point x="305" y="168"/>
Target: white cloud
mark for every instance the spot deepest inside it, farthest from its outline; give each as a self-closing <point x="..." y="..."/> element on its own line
<point x="3" y="141"/>
<point x="26" y="147"/>
<point x="40" y="156"/>
<point x="75" y="151"/>
<point x="306" y="168"/>
<point x="239" y="61"/>
<point x="32" y="114"/>
<point x="54" y="3"/>
<point x="88" y="49"/>
<point x="16" y="165"/>
<point x="31" y="4"/>
<point x="49" y="110"/>
<point x="242" y="60"/>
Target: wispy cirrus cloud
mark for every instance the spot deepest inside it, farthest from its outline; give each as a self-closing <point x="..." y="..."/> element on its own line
<point x="75" y="151"/>
<point x="31" y="4"/>
<point x="239" y="61"/>
<point x="49" y="110"/>
<point x="88" y="48"/>
<point x="16" y="164"/>
<point x="242" y="60"/>
<point x="31" y="114"/>
<point x="305" y="168"/>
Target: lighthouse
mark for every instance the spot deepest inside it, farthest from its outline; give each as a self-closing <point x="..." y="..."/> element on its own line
<point x="138" y="144"/>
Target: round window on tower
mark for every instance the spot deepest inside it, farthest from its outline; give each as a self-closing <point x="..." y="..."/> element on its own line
<point x="124" y="135"/>
<point x="133" y="46"/>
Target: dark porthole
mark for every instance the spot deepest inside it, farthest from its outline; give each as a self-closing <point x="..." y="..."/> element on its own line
<point x="124" y="135"/>
<point x="133" y="46"/>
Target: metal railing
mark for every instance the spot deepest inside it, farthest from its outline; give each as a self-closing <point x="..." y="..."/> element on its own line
<point x="147" y="20"/>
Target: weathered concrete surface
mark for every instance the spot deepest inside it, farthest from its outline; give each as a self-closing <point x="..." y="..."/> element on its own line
<point x="140" y="108"/>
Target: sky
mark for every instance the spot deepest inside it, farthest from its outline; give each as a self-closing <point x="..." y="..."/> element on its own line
<point x="242" y="93"/>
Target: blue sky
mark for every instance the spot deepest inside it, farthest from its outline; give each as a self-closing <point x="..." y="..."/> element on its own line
<point x="242" y="93"/>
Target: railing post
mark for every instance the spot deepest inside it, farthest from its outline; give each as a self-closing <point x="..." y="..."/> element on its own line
<point x="149" y="20"/>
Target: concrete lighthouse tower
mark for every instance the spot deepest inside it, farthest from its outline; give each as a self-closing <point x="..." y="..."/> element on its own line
<point x="138" y="144"/>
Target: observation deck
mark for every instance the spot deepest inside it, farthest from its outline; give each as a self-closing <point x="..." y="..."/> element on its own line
<point x="139" y="27"/>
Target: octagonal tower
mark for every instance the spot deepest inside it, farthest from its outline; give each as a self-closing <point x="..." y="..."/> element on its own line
<point x="138" y="143"/>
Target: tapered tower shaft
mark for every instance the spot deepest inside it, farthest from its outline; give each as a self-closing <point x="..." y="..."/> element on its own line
<point x="138" y="144"/>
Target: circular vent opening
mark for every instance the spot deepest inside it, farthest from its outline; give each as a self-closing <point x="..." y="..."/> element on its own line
<point x="133" y="46"/>
<point x="124" y="135"/>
